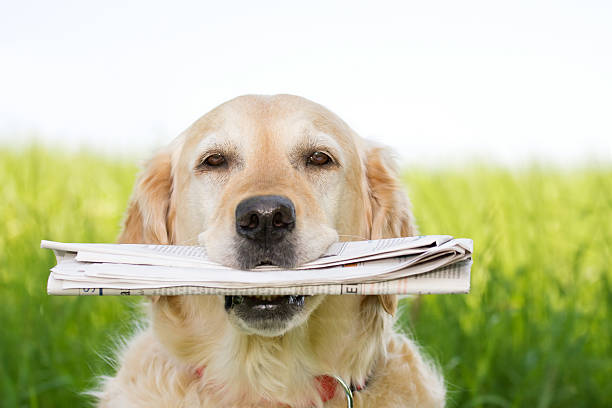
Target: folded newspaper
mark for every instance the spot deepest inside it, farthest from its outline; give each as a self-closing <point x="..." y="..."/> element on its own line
<point x="423" y="264"/>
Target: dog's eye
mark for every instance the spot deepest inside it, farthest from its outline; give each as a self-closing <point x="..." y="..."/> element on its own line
<point x="319" y="159"/>
<point x="214" y="160"/>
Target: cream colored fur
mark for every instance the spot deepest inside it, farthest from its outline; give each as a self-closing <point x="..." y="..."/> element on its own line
<point x="190" y="355"/>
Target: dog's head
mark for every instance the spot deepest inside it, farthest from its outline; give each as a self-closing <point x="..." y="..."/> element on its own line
<point x="268" y="180"/>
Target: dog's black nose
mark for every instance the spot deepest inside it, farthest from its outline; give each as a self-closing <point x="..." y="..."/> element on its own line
<point x="265" y="219"/>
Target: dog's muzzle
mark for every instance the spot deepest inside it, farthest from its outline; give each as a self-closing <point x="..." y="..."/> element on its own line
<point x="264" y="226"/>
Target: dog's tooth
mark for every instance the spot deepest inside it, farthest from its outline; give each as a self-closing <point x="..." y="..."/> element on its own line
<point x="296" y="300"/>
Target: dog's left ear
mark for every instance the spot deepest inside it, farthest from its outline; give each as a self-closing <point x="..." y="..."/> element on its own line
<point x="150" y="215"/>
<point x="390" y="214"/>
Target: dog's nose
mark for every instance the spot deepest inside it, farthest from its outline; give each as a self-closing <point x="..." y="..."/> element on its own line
<point x="266" y="218"/>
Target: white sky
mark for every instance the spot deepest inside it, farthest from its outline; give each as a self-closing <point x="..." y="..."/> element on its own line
<point x="441" y="82"/>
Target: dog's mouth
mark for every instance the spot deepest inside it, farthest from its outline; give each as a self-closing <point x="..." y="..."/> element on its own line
<point x="267" y="306"/>
<point x="265" y="314"/>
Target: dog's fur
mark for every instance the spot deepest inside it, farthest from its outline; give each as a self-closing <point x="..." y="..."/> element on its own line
<point x="192" y="354"/>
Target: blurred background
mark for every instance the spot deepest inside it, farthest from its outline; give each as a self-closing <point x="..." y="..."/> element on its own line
<point x="499" y="114"/>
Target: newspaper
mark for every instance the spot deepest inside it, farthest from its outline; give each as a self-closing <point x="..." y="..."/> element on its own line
<point x="424" y="264"/>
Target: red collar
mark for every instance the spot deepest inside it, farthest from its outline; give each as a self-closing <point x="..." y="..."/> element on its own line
<point x="326" y="385"/>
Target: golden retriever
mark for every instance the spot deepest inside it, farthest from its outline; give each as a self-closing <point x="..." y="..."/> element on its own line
<point x="269" y="180"/>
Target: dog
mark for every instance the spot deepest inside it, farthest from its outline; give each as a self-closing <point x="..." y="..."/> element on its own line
<point x="269" y="180"/>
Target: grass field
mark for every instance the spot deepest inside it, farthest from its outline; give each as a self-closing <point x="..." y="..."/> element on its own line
<point x="535" y="331"/>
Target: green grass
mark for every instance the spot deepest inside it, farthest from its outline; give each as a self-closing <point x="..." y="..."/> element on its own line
<point x="50" y="346"/>
<point x="534" y="332"/>
<point x="536" y="329"/>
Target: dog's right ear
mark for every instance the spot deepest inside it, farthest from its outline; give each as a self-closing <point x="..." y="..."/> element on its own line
<point x="390" y="213"/>
<point x="150" y="215"/>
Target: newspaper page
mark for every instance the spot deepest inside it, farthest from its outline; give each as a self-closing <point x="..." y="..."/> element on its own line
<point x="454" y="278"/>
<point x="195" y="256"/>
<point x="429" y="264"/>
